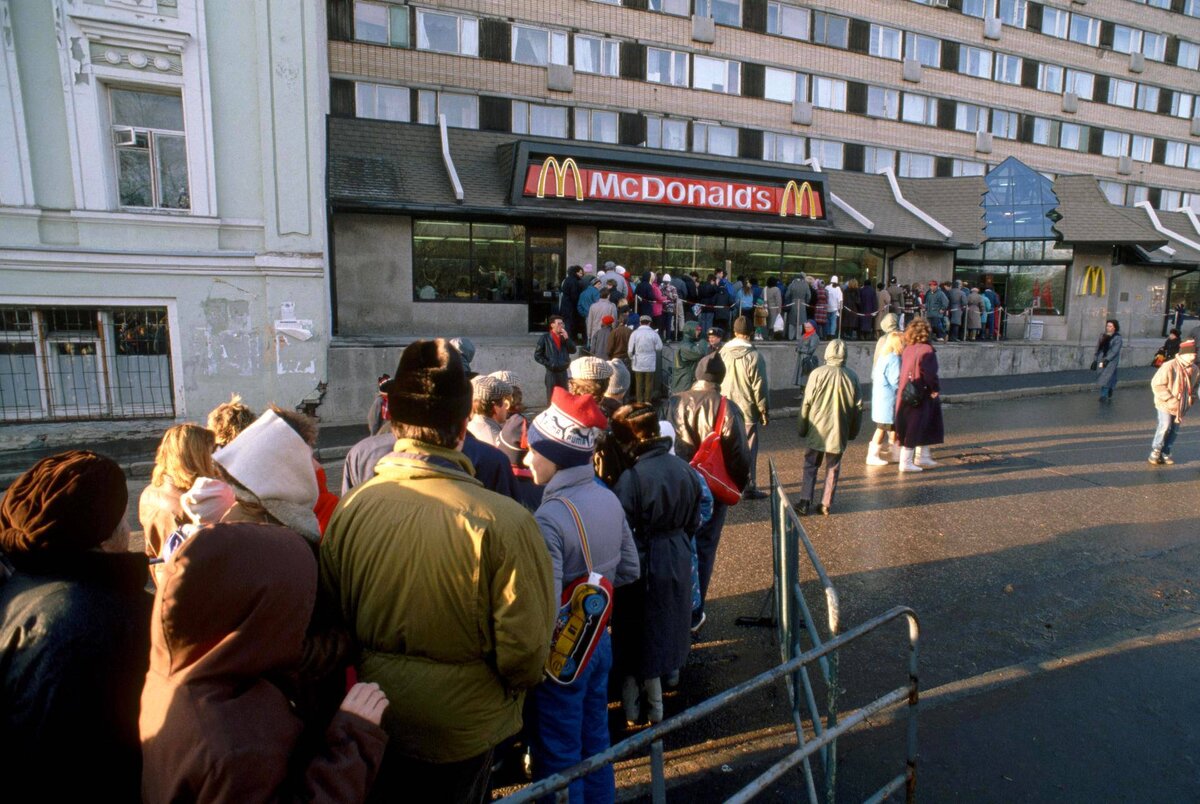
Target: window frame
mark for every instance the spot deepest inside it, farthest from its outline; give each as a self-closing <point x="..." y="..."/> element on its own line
<point x="527" y="116"/>
<point x="1122" y="93"/>
<point x="1047" y="82"/>
<point x="965" y="112"/>
<point x="393" y="13"/>
<point x="438" y="97"/>
<point x="913" y="44"/>
<point x="1005" y="124"/>
<point x="463" y="22"/>
<point x="1006" y="68"/>
<point x="798" y="82"/>
<point x="731" y="68"/>
<point x="890" y="98"/>
<point x="871" y="158"/>
<point x="375" y="87"/>
<point x="1090" y="36"/>
<point x="610" y="55"/>
<point x="841" y="40"/>
<point x="707" y="8"/>
<point x="154" y="137"/>
<point x="908" y="158"/>
<point x="656" y="125"/>
<point x="552" y="35"/>
<point x="1056" y="22"/>
<point x="674" y="57"/>
<point x="831" y="164"/>
<point x="885" y="42"/>
<point x="780" y="15"/>
<point x="702" y="132"/>
<point x="590" y="117"/>
<point x="923" y="106"/>
<point x="965" y="54"/>
<point x="771" y="142"/>
<point x="836" y="86"/>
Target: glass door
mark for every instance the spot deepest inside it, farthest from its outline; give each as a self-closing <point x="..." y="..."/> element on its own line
<point x="545" y="269"/>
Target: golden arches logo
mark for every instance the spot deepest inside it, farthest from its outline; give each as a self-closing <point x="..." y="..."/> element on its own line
<point x="799" y="193"/>
<point x="560" y="178"/>
<point x="1093" y="275"/>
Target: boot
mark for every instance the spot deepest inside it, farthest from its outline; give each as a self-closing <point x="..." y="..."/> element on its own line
<point x="925" y="458"/>
<point x="894" y="452"/>
<point x="873" y="458"/>
<point x="906" y="461"/>
<point x="654" y="703"/>
<point x="631" y="699"/>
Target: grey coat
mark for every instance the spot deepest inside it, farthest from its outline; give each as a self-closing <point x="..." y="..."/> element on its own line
<point x="1111" y="358"/>
<point x="958" y="301"/>
<point x="805" y="347"/>
<point x="797" y="314"/>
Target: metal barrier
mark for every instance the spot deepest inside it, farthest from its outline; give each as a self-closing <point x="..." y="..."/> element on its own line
<point x="794" y="621"/>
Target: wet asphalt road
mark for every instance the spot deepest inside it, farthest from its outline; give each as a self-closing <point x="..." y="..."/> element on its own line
<point x="1054" y="571"/>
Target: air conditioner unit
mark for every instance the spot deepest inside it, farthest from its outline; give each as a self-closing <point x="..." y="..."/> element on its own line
<point x="940" y="3"/>
<point x="983" y="142"/>
<point x="1137" y="62"/>
<point x="912" y="71"/>
<point x="1124" y="165"/>
<point x="704" y="29"/>
<point x="1070" y="102"/>
<point x="991" y="28"/>
<point x="802" y="113"/>
<point x="128" y="138"/>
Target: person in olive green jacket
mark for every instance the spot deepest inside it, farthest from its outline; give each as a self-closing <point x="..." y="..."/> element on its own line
<point x="446" y="585"/>
<point x="746" y="386"/>
<point x="687" y="355"/>
<point x="829" y="419"/>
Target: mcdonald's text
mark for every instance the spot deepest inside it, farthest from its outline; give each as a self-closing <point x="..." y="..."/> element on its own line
<point x="568" y="180"/>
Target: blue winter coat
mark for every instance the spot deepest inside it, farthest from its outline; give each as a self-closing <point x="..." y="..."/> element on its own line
<point x="885" y="382"/>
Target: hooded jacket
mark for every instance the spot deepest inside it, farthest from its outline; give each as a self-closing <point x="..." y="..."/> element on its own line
<point x="832" y="410"/>
<point x="448" y="588"/>
<point x="746" y="379"/>
<point x="687" y="355"/>
<point x="887" y="325"/>
<point x="217" y="723"/>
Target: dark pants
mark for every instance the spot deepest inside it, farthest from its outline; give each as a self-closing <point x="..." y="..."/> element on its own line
<point x="554" y="378"/>
<point x="752" y="445"/>
<point x="833" y="467"/>
<point x="403" y="778"/>
<point x="643" y="386"/>
<point x="956" y="332"/>
<point x="707" y="539"/>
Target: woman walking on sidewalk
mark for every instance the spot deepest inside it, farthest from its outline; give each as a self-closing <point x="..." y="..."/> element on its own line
<point x="919" y="412"/>
<point x="1107" y="358"/>
<point x="885" y="381"/>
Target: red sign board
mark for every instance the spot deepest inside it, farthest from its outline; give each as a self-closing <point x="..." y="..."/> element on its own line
<point x="568" y="180"/>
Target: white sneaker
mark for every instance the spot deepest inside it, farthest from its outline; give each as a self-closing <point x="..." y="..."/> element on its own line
<point x="906" y="461"/>
<point x="873" y="458"/>
<point x="925" y="458"/>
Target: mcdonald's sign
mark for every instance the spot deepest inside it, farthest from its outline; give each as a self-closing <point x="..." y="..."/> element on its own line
<point x="554" y="178"/>
<point x="1093" y="275"/>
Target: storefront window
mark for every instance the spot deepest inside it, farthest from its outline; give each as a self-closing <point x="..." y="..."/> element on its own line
<point x="636" y="251"/>
<point x="811" y="258"/>
<point x="1183" y="290"/>
<point x="467" y="261"/>
<point x="695" y="253"/>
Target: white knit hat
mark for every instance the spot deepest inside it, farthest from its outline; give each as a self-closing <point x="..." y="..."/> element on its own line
<point x="271" y="461"/>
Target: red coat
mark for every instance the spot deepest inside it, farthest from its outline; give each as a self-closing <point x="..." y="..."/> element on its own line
<point x="920" y="426"/>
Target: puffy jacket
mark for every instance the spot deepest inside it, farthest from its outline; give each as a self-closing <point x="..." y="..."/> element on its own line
<point x="832" y="410"/>
<point x="694" y="416"/>
<point x="644" y="346"/>
<point x="448" y="588"/>
<point x="746" y="379"/>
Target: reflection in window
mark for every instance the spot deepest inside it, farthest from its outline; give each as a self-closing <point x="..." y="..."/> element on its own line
<point x="787" y="20"/>
<point x="830" y="29"/>
<point x="595" y="125"/>
<point x="1018" y="203"/>
<point x="468" y="261"/>
<point x="151" y="152"/>
<point x="534" y="118"/>
<point x="709" y="138"/>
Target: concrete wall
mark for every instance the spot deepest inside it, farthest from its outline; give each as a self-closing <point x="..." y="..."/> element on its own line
<point x="583" y="246"/>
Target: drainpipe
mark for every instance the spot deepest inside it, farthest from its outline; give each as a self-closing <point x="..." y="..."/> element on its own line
<point x="891" y="261"/>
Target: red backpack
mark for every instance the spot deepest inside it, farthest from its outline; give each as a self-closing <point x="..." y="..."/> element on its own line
<point x="709" y="461"/>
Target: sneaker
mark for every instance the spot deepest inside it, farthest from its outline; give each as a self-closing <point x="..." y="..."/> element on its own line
<point x="802" y="507"/>
<point x="698" y="622"/>
<point x="1156" y="458"/>
<point x="1166" y="459"/>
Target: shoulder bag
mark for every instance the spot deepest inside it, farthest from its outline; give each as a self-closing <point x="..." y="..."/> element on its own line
<point x="582" y="618"/>
<point x="912" y="395"/>
<point x="709" y="461"/>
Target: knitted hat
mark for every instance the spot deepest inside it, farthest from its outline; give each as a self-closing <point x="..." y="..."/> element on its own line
<point x="273" y="463"/>
<point x="632" y="320"/>
<point x="711" y="368"/>
<point x="489" y="389"/>
<point x="565" y="433"/>
<point x="589" y="368"/>
<point x="742" y="326"/>
<point x="606" y="321"/>
<point x="618" y="383"/>
<point x="66" y="503"/>
<point x="1187" y="348"/>
<point x="514" y="439"/>
<point x="430" y="387"/>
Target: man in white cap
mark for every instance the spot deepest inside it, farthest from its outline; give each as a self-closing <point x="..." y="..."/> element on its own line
<point x="833" y="294"/>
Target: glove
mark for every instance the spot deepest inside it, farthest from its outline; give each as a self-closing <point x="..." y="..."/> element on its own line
<point x="1093" y="366"/>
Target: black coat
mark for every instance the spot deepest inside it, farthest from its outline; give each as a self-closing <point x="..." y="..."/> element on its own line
<point x="652" y="617"/>
<point x="74" y="650"/>
<point x="693" y="419"/>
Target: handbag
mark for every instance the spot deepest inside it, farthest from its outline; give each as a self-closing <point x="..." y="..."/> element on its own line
<point x="709" y="461"/>
<point x="912" y="396"/>
<point x="582" y="618"/>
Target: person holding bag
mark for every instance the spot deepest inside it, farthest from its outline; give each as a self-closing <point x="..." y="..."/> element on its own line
<point x="586" y="533"/>
<point x="918" y="403"/>
<point x="700" y="413"/>
<point x="1107" y="358"/>
<point x="829" y="419"/>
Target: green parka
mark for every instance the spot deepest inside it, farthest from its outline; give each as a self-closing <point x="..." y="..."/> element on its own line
<point x="746" y="379"/>
<point x="448" y="588"/>
<point x="832" y="411"/>
<point x="687" y="354"/>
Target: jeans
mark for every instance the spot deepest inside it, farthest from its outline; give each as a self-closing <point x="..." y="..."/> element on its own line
<point x="1164" y="436"/>
<point x="831" y="326"/>
<point x="706" y="322"/>
<point x="833" y="468"/>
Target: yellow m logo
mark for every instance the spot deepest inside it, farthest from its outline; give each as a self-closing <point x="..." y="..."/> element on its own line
<point x="799" y="194"/>
<point x="1094" y="275"/>
<point x="560" y="178"/>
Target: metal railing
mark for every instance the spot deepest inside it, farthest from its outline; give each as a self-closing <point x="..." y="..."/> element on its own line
<point x="794" y="622"/>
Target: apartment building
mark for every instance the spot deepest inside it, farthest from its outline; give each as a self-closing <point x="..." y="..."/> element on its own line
<point x="1003" y="142"/>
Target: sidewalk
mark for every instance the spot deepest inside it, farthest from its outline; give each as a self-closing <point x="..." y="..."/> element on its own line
<point x="136" y="455"/>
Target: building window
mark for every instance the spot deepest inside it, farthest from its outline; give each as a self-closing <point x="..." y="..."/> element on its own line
<point x="1193" y="162"/>
<point x="462" y="111"/>
<point x="709" y="138"/>
<point x="1142" y="148"/>
<point x="975" y="8"/>
<point x="666" y="67"/>
<point x="380" y="23"/>
<point x="1045" y="132"/>
<point x="1175" y="154"/>
<point x="596" y="55"/>
<point x="85" y="363"/>
<point x="595" y="125"/>
<point x="1126" y="39"/>
<point x="829" y="93"/>
<point x="925" y="49"/>
<point x="1115" y="143"/>
<point x="1155" y="3"/>
<point x="1182" y="104"/>
<point x="534" y="118"/>
<point x="975" y="61"/>
<point x="381" y="101"/>
<point x="1136" y="194"/>
<point x="1189" y="55"/>
<point x="716" y="75"/>
<point x="878" y="159"/>
<point x="666" y="133"/>
<point x="970" y="118"/>
<point x="1071" y="137"/>
<point x="916" y="166"/>
<point x="1008" y="69"/>
<point x="967" y="167"/>
<point x="725" y="12"/>
<point x="1012" y="12"/>
<point x="885" y="42"/>
<point x="1055" y="22"/>
<point x="468" y="262"/>
<point x="830" y="29"/>
<point x="1080" y="83"/>
<point x="828" y="154"/>
<point x="787" y="20"/>
<point x="882" y="102"/>
<point x="1170" y="200"/>
<point x="919" y="109"/>
<point x="1191" y="8"/>
<point x="1084" y="30"/>
<point x="1004" y="124"/>
<point x="1121" y="93"/>
<point x="150" y="149"/>
<point x="783" y="148"/>
<point x="1147" y="98"/>
<point x="1050" y="78"/>
<point x="538" y="46"/>
<point x="447" y="33"/>
<point x="785" y="85"/>
<point x="677" y="7"/>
